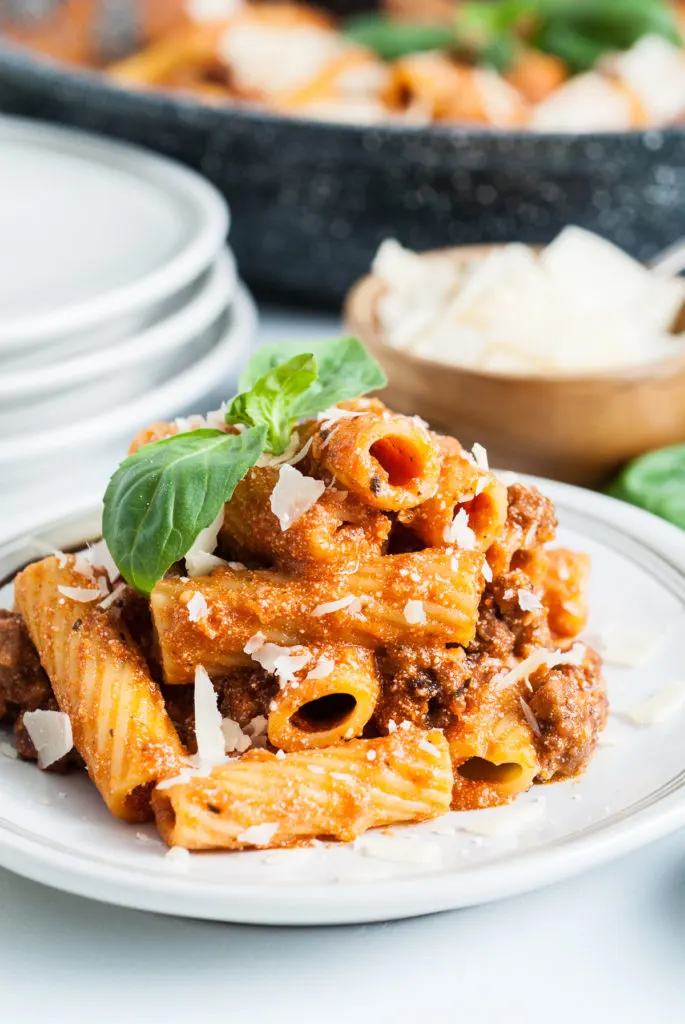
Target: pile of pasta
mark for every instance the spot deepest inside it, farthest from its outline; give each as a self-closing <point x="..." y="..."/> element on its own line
<point x="377" y="635"/>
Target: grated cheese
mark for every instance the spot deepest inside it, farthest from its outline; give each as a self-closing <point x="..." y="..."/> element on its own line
<point x="278" y="660"/>
<point x="528" y="602"/>
<point x="480" y="457"/>
<point x="179" y="857"/>
<point x="392" y="726"/>
<point x="197" y="607"/>
<point x="208" y="731"/>
<point x="370" y="755"/>
<point x="108" y="601"/>
<point x="406" y="725"/>
<point x="83" y="594"/>
<point x="100" y="556"/>
<point x="419" y="853"/>
<point x="487" y="572"/>
<point x="7" y="750"/>
<point x="429" y="747"/>
<point x="236" y="566"/>
<point x="536" y="660"/>
<point x="235" y="740"/>
<point x="293" y="495"/>
<point x="530" y="717"/>
<point x="459" y="532"/>
<point x="200" y="560"/>
<point x="335" y="606"/>
<point x="51" y="735"/>
<point x="259" y="835"/>
<point x="665" y="703"/>
<point x="322" y="669"/>
<point x="280" y="754"/>
<point x="256" y="729"/>
<point x="415" y="613"/>
<point x="256" y="641"/>
<point x="316" y="769"/>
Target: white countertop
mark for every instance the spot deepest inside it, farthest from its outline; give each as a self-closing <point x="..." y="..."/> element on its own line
<point x="606" y="946"/>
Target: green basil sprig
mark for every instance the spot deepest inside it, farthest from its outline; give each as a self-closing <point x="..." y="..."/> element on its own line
<point x="655" y="482"/>
<point x="163" y="496"/>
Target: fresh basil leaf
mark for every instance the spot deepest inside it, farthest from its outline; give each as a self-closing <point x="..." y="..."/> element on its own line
<point x="160" y="498"/>
<point x="272" y="400"/>
<point x="655" y="482"/>
<point x="391" y="39"/>
<point x="346" y="370"/>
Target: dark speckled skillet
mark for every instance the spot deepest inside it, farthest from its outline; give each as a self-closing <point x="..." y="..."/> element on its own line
<point x="311" y="201"/>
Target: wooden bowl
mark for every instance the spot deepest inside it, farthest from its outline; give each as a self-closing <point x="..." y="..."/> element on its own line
<point x="580" y="429"/>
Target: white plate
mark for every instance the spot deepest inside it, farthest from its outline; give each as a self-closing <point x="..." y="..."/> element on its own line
<point x="25" y="457"/>
<point x="56" y="830"/>
<point x="107" y="230"/>
<point x="137" y="362"/>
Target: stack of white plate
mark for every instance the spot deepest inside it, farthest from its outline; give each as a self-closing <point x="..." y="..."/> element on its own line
<point x="119" y="304"/>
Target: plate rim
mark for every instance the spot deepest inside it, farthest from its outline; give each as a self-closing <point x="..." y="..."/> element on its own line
<point x="212" y="216"/>
<point x="172" y="893"/>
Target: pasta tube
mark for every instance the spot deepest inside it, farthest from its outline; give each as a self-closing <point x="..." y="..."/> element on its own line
<point x="388" y="461"/>
<point x="333" y="702"/>
<point x="101" y="681"/>
<point x="493" y="753"/>
<point x="412" y="598"/>
<point x="337" y="530"/>
<point x="462" y="485"/>
<point x="563" y="592"/>
<point x="193" y="47"/>
<point x="340" y="791"/>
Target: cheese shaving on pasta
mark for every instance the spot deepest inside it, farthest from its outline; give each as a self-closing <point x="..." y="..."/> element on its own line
<point x="415" y="613"/>
<point x="668" y="701"/>
<point x="551" y="659"/>
<point x="235" y="740"/>
<point x="293" y="495"/>
<point x="460" y="533"/>
<point x="322" y="669"/>
<point x="259" y="835"/>
<point x="349" y="601"/>
<point x="208" y="731"/>
<point x="530" y="717"/>
<point x="200" y="560"/>
<point x="83" y="594"/>
<point x="197" y="607"/>
<point x="487" y="572"/>
<point x="528" y="602"/>
<point x="51" y="735"/>
<point x="480" y="457"/>
<point x="100" y="556"/>
<point x="280" y="660"/>
<point x="112" y="598"/>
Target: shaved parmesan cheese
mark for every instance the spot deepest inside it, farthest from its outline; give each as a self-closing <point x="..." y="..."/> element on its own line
<point x="51" y="735"/>
<point x="197" y="607"/>
<point x="83" y="594"/>
<point x="83" y="565"/>
<point x="501" y="821"/>
<point x="536" y="660"/>
<point x="487" y="572"/>
<point x="200" y="559"/>
<point x="293" y="495"/>
<point x="256" y="641"/>
<point x="280" y="754"/>
<point x="108" y="601"/>
<point x="259" y="835"/>
<point x="406" y="725"/>
<point x="459" y="532"/>
<point x="317" y="769"/>
<point x="256" y="729"/>
<point x="208" y="732"/>
<point x="235" y="740"/>
<point x="628" y="646"/>
<point x="179" y="857"/>
<point x="429" y="747"/>
<point x="333" y="414"/>
<point x="100" y="556"/>
<point x="415" y="613"/>
<point x="7" y="750"/>
<point x="480" y="457"/>
<point x="322" y="669"/>
<point x="530" y="717"/>
<point x="528" y="602"/>
<point x="418" y="853"/>
<point x="280" y="661"/>
<point x="370" y="755"/>
<point x="665" y="703"/>
<point x="236" y="566"/>
<point x="392" y="726"/>
<point x="291" y="456"/>
<point x="335" y="606"/>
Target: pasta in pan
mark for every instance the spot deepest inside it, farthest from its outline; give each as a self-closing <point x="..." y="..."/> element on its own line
<point x="360" y="627"/>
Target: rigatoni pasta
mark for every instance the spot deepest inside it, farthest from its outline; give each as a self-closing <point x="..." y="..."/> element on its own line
<point x="338" y="792"/>
<point x="356" y="629"/>
<point x="119" y="722"/>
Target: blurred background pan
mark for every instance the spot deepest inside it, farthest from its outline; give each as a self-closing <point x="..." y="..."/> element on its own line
<point x="312" y="200"/>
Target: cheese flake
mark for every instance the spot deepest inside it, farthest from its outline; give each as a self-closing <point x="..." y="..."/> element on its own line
<point x="51" y="735"/>
<point x="179" y="857"/>
<point x="665" y="703"/>
<point x="235" y="740"/>
<point x="82" y="594"/>
<point x="256" y="641"/>
<point x="335" y="606"/>
<point x="551" y="659"/>
<point x="418" y="853"/>
<point x="528" y="602"/>
<point x="197" y="607"/>
<point x="112" y="598"/>
<point x="530" y="717"/>
<point x="100" y="556"/>
<point x="322" y="669"/>
<point x="459" y="532"/>
<point x="487" y="572"/>
<point x="200" y="560"/>
<point x="415" y="613"/>
<point x="293" y="495"/>
<point x="259" y="835"/>
<point x="7" y="750"/>
<point x="429" y="748"/>
<point x="480" y="457"/>
<point x="208" y="731"/>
